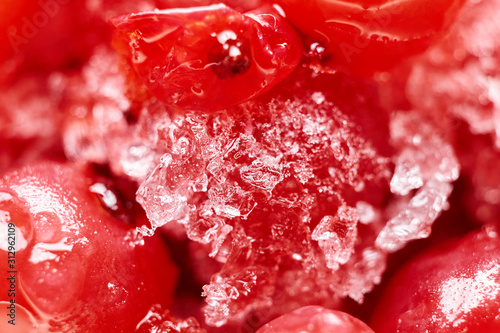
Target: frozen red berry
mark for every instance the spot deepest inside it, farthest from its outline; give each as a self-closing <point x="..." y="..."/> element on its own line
<point x="208" y="58"/>
<point x="453" y="288"/>
<point x="368" y="35"/>
<point x="315" y="319"/>
<point x="78" y="268"/>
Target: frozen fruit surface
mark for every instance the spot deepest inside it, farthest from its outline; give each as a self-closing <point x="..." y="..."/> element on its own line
<point x="158" y="321"/>
<point x="207" y="58"/>
<point x="364" y="36"/>
<point x="29" y="120"/>
<point x="78" y="267"/>
<point x="425" y="162"/>
<point x="49" y="35"/>
<point x="315" y="319"/>
<point x="460" y="75"/>
<point x="94" y="107"/>
<point x="293" y="191"/>
<point x="452" y="288"/>
<point x="457" y="83"/>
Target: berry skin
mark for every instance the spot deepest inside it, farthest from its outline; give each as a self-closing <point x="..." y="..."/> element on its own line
<point x="364" y="36"/>
<point x="452" y="288"/>
<point x="207" y="58"/>
<point x="47" y="35"/>
<point x="315" y="319"/>
<point x="77" y="266"/>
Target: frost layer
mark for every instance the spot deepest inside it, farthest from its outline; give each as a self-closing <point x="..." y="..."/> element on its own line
<point x="460" y="77"/>
<point x="457" y="82"/>
<point x="292" y="192"/>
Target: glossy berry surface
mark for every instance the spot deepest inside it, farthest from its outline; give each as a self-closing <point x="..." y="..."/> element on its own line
<point x="208" y="58"/>
<point x="363" y="36"/>
<point x="78" y="267"/>
<point x="286" y="152"/>
<point x="315" y="319"/>
<point x="453" y="288"/>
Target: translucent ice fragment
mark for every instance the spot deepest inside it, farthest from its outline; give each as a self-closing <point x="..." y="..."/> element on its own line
<point x="423" y="154"/>
<point x="416" y="220"/>
<point x="162" y="201"/>
<point x="425" y="162"/>
<point x="136" y="161"/>
<point x="218" y="297"/>
<point x="201" y="184"/>
<point x="362" y="272"/>
<point x="211" y="230"/>
<point x="204" y="230"/>
<point x="227" y="297"/>
<point x="336" y="236"/>
<point x="159" y="321"/>
<point x="263" y="173"/>
<point x="216" y="168"/>
<point x="230" y="201"/>
<point x="240" y="146"/>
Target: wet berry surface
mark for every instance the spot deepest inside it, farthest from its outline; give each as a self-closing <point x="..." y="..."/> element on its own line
<point x="250" y="166"/>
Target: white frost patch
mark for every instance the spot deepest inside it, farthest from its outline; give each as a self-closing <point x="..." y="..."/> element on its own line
<point x="425" y="163"/>
<point x="459" y="296"/>
<point x="107" y="196"/>
<point x="336" y="236"/>
<point x="43" y="251"/>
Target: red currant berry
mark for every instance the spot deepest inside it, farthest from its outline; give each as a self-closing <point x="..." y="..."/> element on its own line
<point x="368" y="35"/>
<point x="208" y="58"/>
<point x="315" y="319"/>
<point x="78" y="268"/>
<point x="453" y="288"/>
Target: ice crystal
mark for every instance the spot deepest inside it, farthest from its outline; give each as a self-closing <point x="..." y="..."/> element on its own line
<point x="292" y="194"/>
<point x="457" y="83"/>
<point x="270" y="187"/>
<point x="158" y="321"/>
<point x="459" y="76"/>
<point x="94" y="105"/>
<point x="336" y="236"/>
<point x="426" y="163"/>
<point x="289" y="193"/>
